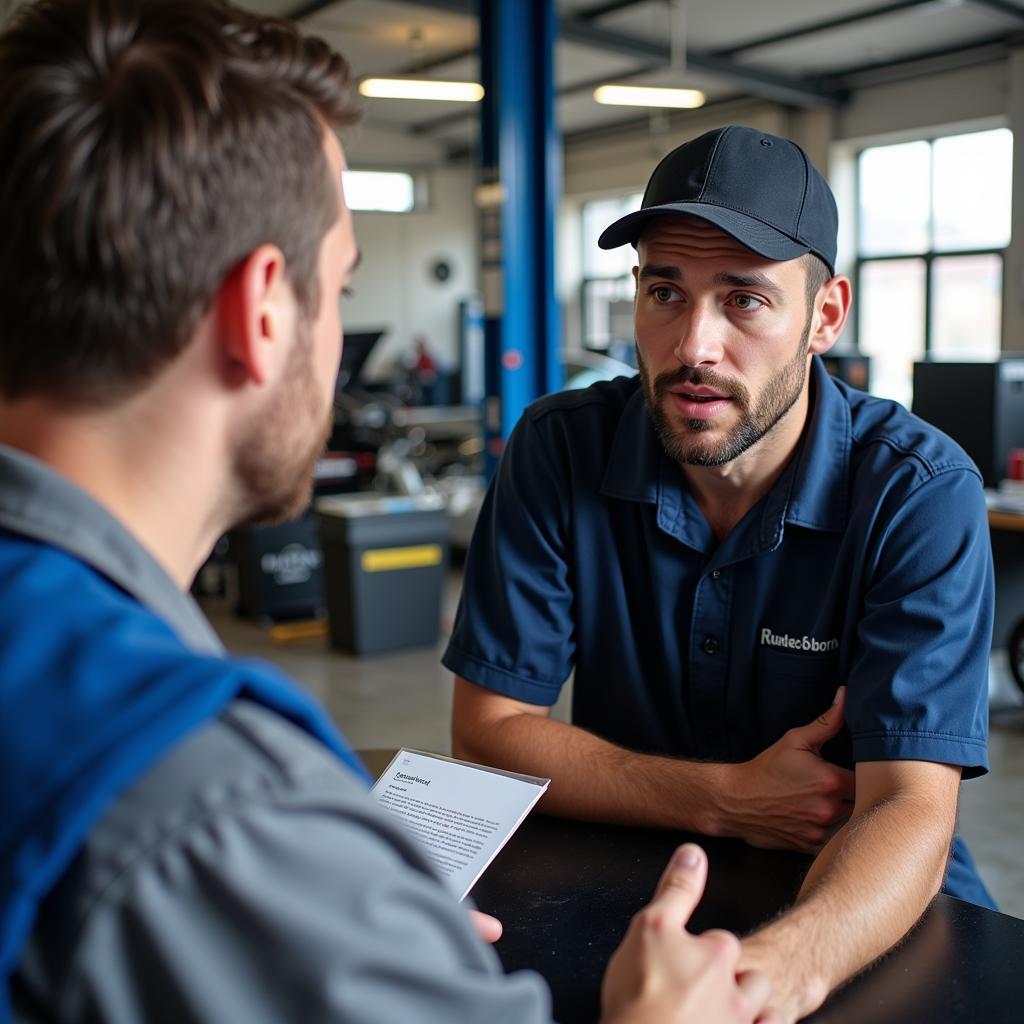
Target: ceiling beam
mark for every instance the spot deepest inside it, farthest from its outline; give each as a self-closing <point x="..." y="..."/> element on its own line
<point x="608" y="7"/>
<point x="844" y="21"/>
<point x="790" y="91"/>
<point x="826" y="25"/>
<point x="1003" y="7"/>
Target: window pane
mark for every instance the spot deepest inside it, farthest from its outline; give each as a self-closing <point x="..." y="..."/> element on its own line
<point x="892" y="324"/>
<point x="597" y="215"/>
<point x="608" y="311"/>
<point x="893" y="199"/>
<point x="386" y="191"/>
<point x="966" y="306"/>
<point x="972" y="190"/>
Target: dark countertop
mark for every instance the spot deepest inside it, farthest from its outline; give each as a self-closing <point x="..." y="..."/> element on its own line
<point x="565" y="892"/>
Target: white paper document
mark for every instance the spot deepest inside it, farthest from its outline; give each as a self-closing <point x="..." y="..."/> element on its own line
<point x="462" y="814"/>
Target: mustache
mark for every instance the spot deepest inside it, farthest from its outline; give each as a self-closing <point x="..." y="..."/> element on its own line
<point x="698" y="378"/>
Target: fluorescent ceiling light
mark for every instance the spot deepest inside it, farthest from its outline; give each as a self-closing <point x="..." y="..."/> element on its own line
<point x="648" y="96"/>
<point x="421" y="89"/>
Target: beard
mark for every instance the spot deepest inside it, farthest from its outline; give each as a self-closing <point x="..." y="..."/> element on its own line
<point x="274" y="464"/>
<point x="680" y="436"/>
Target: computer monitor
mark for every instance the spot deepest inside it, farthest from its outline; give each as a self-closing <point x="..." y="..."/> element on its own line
<point x="979" y="404"/>
<point x="356" y="350"/>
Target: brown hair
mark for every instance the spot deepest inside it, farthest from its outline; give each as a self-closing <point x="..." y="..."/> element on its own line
<point x="817" y="274"/>
<point x="148" y="147"/>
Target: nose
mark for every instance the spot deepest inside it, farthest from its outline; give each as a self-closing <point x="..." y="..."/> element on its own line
<point x="700" y="340"/>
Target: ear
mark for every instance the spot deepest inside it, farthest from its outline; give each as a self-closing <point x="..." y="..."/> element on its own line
<point x="255" y="307"/>
<point x="831" y="307"/>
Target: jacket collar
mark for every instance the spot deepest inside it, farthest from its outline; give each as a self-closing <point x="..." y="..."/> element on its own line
<point x="38" y="503"/>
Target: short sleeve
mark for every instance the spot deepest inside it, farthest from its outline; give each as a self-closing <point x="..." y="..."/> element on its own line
<point x="514" y="631"/>
<point x="918" y="686"/>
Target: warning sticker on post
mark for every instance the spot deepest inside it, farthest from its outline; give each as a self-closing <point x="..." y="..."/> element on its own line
<point x="462" y="814"/>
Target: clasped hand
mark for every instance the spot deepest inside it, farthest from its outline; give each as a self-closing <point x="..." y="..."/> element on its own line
<point x="788" y="797"/>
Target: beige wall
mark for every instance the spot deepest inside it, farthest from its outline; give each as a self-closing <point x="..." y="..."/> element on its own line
<point x="394" y="288"/>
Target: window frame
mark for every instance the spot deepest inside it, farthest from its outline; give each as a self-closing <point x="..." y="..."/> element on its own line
<point x="927" y="256"/>
<point x="589" y="279"/>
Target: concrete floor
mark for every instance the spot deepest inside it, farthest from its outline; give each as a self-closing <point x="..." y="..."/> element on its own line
<point x="404" y="699"/>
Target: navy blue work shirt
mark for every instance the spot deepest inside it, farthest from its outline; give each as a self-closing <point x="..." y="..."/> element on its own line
<point x="868" y="563"/>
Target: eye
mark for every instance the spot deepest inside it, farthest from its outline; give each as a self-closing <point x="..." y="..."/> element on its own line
<point x="748" y="303"/>
<point x="662" y="293"/>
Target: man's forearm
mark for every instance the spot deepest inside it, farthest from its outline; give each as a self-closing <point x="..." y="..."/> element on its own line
<point x="865" y="891"/>
<point x="594" y="780"/>
<point x="787" y="797"/>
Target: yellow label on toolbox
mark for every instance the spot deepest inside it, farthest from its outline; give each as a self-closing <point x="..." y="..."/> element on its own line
<point x="386" y="559"/>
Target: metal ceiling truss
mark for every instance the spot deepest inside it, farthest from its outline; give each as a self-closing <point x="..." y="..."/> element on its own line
<point x="796" y="92"/>
<point x="581" y="28"/>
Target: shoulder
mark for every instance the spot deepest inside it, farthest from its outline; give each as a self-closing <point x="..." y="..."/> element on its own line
<point x="247" y="763"/>
<point x="46" y="585"/>
<point x="248" y="843"/>
<point x="574" y="431"/>
<point x="248" y="876"/>
<point x="885" y="434"/>
<point x="603" y="401"/>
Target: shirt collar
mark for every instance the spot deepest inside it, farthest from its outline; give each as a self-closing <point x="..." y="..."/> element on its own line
<point x="812" y="491"/>
<point x="634" y="461"/>
<point x="39" y="503"/>
<point x="820" y="487"/>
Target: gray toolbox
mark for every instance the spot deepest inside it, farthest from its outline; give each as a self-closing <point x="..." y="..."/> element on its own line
<point x="385" y="560"/>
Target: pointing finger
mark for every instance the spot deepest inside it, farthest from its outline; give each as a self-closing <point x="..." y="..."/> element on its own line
<point x="682" y="883"/>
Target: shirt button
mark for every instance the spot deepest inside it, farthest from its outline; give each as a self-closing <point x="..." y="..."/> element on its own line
<point x="715" y="573"/>
<point x="710" y="645"/>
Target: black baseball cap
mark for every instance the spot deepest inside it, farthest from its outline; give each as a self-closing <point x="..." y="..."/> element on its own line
<point x="761" y="189"/>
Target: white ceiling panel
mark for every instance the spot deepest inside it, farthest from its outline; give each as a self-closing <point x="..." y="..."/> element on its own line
<point x="386" y="36"/>
<point x="894" y="37"/>
<point x="577" y="63"/>
<point x="718" y="24"/>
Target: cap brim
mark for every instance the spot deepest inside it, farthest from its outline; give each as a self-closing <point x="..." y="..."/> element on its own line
<point x="754" y="234"/>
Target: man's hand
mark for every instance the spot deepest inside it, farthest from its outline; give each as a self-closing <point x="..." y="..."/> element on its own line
<point x="788" y="797"/>
<point x="488" y="928"/>
<point x="663" y="974"/>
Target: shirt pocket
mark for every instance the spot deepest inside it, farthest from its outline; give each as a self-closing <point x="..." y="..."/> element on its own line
<point x="793" y="688"/>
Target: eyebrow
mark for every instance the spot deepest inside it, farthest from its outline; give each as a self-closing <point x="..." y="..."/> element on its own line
<point x="650" y="270"/>
<point x="752" y="280"/>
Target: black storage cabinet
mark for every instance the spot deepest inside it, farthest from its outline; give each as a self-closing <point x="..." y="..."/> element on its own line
<point x="385" y="560"/>
<point x="279" y="570"/>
